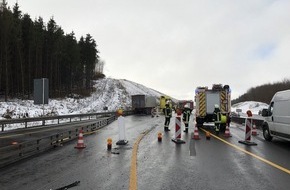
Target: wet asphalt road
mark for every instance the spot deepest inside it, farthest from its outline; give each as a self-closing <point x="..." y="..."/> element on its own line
<point x="197" y="164"/>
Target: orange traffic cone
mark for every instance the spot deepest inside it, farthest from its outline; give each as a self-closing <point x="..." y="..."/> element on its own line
<point x="207" y="135"/>
<point x="80" y="143"/>
<point x="159" y="137"/>
<point x="227" y="132"/>
<point x="195" y="134"/>
<point x="109" y="143"/>
<point x="254" y="130"/>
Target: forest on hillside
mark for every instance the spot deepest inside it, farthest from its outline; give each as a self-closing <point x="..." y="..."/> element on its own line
<point x="263" y="93"/>
<point x="33" y="49"/>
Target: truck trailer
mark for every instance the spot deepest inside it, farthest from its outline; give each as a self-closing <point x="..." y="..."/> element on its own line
<point x="143" y="104"/>
<point x="205" y="101"/>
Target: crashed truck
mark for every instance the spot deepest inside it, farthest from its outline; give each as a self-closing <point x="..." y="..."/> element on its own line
<point x="164" y="100"/>
<point x="143" y="104"/>
<point x="205" y="101"/>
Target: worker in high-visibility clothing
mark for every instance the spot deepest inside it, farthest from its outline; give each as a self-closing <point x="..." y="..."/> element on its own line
<point x="217" y="118"/>
<point x="186" y="116"/>
<point x="168" y="114"/>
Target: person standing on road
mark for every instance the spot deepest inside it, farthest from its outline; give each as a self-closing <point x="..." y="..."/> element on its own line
<point x="186" y="116"/>
<point x="168" y="114"/>
<point x="217" y="118"/>
<point x="153" y="112"/>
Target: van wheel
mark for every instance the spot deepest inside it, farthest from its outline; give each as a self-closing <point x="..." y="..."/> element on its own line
<point x="267" y="134"/>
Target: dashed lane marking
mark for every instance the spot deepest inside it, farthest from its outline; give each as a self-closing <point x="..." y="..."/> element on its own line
<point x="251" y="154"/>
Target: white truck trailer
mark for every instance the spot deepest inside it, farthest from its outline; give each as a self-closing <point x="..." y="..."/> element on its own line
<point x="143" y="104"/>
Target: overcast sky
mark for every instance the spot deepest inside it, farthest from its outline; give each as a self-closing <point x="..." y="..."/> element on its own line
<point x="173" y="46"/>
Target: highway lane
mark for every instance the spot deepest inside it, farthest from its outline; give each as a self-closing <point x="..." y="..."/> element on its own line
<point x="94" y="166"/>
<point x="218" y="163"/>
<point x="197" y="164"/>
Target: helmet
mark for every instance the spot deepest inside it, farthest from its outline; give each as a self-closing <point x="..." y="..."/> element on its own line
<point x="186" y="106"/>
<point x="216" y="106"/>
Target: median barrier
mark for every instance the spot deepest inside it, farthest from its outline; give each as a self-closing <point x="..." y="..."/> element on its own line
<point x="48" y="120"/>
<point x="242" y="120"/>
<point x="21" y="150"/>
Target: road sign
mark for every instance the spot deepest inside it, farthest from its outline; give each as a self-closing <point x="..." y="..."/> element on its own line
<point x="41" y="91"/>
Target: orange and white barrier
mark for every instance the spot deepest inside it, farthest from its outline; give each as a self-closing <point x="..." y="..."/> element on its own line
<point x="80" y="143"/>
<point x="195" y="133"/>
<point x="227" y="132"/>
<point x="254" y="130"/>
<point x="177" y="138"/>
<point x="248" y="133"/>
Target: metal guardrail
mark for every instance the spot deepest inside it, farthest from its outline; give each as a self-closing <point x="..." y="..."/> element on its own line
<point x="44" y="120"/>
<point x="13" y="153"/>
<point x="242" y="120"/>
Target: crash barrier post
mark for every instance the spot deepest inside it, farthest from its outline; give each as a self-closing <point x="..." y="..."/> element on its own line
<point x="80" y="144"/>
<point x="248" y="131"/>
<point x="177" y="138"/>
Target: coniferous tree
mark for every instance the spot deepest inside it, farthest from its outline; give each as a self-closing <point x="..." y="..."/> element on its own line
<point x="32" y="49"/>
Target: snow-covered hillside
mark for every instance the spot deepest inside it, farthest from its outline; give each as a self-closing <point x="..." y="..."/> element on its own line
<point x="255" y="107"/>
<point x="110" y="93"/>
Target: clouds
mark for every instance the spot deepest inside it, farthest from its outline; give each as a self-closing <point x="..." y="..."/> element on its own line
<point x="174" y="46"/>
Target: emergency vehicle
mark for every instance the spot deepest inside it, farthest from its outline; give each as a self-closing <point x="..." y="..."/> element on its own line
<point x="205" y="101"/>
<point x="182" y="103"/>
<point x="163" y="100"/>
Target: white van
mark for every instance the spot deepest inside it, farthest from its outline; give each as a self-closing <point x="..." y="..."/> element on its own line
<point x="277" y="117"/>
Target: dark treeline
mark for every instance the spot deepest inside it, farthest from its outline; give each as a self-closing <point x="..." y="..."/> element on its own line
<point x="32" y="50"/>
<point x="263" y="93"/>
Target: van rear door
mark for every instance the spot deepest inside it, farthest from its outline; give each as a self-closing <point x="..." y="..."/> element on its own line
<point x="281" y="118"/>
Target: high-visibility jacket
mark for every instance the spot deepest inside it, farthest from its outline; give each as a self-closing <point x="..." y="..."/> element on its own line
<point x="168" y="112"/>
<point x="217" y="115"/>
<point x="186" y="115"/>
